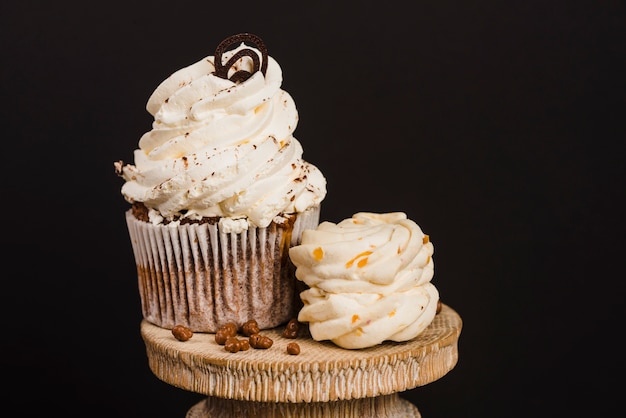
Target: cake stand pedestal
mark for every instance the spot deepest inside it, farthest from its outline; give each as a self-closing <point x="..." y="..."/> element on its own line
<point x="322" y="381"/>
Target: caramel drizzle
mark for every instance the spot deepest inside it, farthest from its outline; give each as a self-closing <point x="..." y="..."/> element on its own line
<point x="221" y="69"/>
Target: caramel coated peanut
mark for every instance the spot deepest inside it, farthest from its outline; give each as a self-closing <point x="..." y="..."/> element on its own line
<point x="250" y="327"/>
<point x="260" y="341"/>
<point x="291" y="329"/>
<point x="293" y="349"/>
<point x="232" y="344"/>
<point x="182" y="333"/>
<point x="225" y="331"/>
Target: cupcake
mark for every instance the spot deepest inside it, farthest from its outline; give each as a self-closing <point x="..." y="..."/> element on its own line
<point x="369" y="280"/>
<point x="219" y="192"/>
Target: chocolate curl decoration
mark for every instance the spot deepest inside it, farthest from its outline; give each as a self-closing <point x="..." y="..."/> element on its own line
<point x="221" y="70"/>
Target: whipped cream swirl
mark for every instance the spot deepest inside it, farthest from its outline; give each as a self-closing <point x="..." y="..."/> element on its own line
<point x="369" y="280"/>
<point x="222" y="148"/>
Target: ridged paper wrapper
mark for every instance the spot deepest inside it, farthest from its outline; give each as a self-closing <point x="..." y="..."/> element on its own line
<point x="196" y="276"/>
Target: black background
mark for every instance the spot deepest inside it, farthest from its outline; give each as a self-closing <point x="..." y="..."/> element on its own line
<point x="497" y="126"/>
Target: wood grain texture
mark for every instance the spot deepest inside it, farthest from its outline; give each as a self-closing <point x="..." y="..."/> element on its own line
<point x="387" y="406"/>
<point x="322" y="372"/>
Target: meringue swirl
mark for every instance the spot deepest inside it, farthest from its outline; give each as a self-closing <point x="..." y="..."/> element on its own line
<point x="222" y="148"/>
<point x="369" y="280"/>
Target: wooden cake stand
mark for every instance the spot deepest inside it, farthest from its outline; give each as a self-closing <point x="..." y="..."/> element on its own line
<point x="324" y="380"/>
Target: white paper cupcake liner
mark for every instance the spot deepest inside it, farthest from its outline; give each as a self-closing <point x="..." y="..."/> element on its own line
<point x="196" y="276"/>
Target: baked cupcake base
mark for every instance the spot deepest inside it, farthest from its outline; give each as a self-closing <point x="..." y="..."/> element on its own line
<point x="197" y="276"/>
